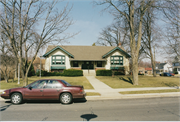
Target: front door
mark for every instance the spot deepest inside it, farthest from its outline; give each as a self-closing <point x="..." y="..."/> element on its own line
<point x="87" y="65"/>
<point x="36" y="91"/>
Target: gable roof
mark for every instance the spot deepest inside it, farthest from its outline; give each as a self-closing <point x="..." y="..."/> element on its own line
<point x="148" y="68"/>
<point x="94" y="53"/>
<point x="117" y="48"/>
<point x="50" y="49"/>
<point x="160" y="65"/>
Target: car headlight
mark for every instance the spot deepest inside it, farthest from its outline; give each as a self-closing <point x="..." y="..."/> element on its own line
<point x="3" y="92"/>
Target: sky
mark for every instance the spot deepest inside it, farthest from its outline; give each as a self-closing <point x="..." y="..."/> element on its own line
<point x="88" y="19"/>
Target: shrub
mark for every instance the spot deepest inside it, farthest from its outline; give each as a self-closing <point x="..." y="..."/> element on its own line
<point x="72" y="72"/>
<point x="140" y="74"/>
<point x="103" y="72"/>
<point x="43" y="73"/>
<point x="31" y="71"/>
<point x="54" y="74"/>
<point x="175" y="72"/>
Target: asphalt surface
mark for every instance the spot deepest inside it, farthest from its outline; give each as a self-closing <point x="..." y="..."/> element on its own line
<point x="146" y="109"/>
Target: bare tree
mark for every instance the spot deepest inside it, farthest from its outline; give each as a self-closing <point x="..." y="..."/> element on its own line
<point x="33" y="24"/>
<point x="172" y="35"/>
<point x="7" y="60"/>
<point x="113" y="35"/>
<point x="133" y="11"/>
<point x="150" y="38"/>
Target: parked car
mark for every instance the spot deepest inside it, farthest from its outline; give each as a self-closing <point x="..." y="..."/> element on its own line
<point x="172" y="73"/>
<point x="45" y="89"/>
<point x="165" y="74"/>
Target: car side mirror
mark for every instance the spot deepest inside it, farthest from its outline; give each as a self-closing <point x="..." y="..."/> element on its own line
<point x="30" y="87"/>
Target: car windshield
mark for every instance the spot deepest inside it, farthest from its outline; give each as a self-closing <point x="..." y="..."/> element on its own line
<point x="66" y="83"/>
<point x="28" y="85"/>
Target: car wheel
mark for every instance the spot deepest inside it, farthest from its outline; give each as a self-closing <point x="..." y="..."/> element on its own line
<point x="16" y="98"/>
<point x="65" y="98"/>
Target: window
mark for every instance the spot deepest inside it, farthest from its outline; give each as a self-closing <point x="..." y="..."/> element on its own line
<point x="66" y="83"/>
<point x="99" y="64"/>
<point x="116" y="60"/>
<point x="39" y="84"/>
<point x="53" y="84"/>
<point x="176" y="64"/>
<point x="75" y="64"/>
<point x="58" y="60"/>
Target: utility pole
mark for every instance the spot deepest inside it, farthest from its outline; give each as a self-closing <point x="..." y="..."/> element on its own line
<point x="19" y="65"/>
<point x="154" y="55"/>
<point x="40" y="68"/>
<point x="154" y="61"/>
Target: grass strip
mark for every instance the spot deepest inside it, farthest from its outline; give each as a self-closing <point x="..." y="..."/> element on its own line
<point x="72" y="80"/>
<point x="93" y="94"/>
<point x="144" y="81"/>
<point x="150" y="91"/>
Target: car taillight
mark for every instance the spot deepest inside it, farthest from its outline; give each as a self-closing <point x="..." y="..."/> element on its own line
<point x="82" y="90"/>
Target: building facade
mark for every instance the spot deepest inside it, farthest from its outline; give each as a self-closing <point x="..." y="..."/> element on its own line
<point x="58" y="58"/>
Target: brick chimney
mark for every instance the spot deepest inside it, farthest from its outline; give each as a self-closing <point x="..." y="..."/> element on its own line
<point x="119" y="44"/>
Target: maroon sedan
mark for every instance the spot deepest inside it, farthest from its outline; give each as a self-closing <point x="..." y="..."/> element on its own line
<point x="45" y="89"/>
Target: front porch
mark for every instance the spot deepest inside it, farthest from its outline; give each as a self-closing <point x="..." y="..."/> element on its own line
<point x="88" y="65"/>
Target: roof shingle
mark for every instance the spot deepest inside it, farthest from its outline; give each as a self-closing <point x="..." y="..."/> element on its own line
<point x="85" y="52"/>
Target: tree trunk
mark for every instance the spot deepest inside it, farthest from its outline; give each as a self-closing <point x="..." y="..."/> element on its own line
<point x="6" y="79"/>
<point x="25" y="83"/>
<point x="15" y="73"/>
<point x="135" y="72"/>
<point x="153" y="66"/>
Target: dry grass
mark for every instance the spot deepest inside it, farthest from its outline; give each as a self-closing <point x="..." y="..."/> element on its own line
<point x="144" y="81"/>
<point x="72" y="80"/>
<point x="150" y="91"/>
<point x="93" y="94"/>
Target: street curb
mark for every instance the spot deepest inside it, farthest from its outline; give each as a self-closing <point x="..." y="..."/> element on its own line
<point x="133" y="96"/>
<point x="129" y="96"/>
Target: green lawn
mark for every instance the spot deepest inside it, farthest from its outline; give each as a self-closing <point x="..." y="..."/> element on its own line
<point x="72" y="80"/>
<point x="150" y="91"/>
<point x="144" y="81"/>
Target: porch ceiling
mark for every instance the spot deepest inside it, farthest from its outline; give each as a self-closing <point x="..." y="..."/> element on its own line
<point x="87" y="60"/>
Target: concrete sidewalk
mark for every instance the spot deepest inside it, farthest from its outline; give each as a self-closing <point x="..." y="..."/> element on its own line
<point x="110" y="93"/>
<point x="102" y="88"/>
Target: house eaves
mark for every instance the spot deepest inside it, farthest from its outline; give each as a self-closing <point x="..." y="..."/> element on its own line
<point x="58" y="47"/>
<point x="117" y="48"/>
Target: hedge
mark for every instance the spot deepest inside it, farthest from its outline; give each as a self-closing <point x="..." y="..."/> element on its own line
<point x="72" y="72"/>
<point x="103" y="72"/>
<point x="175" y="72"/>
<point x="69" y="72"/>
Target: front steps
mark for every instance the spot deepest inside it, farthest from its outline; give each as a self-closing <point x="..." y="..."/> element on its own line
<point x="89" y="72"/>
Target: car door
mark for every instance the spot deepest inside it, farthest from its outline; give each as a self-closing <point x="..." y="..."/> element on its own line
<point x="52" y="90"/>
<point x="35" y="91"/>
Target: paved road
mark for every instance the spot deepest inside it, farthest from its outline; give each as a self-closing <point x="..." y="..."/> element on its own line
<point x="153" y="109"/>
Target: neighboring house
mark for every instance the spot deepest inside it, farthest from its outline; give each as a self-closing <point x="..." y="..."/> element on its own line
<point x="141" y="70"/>
<point x="36" y="64"/>
<point x="163" y="67"/>
<point x="148" y="71"/>
<point x="176" y="65"/>
<point x="59" y="58"/>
